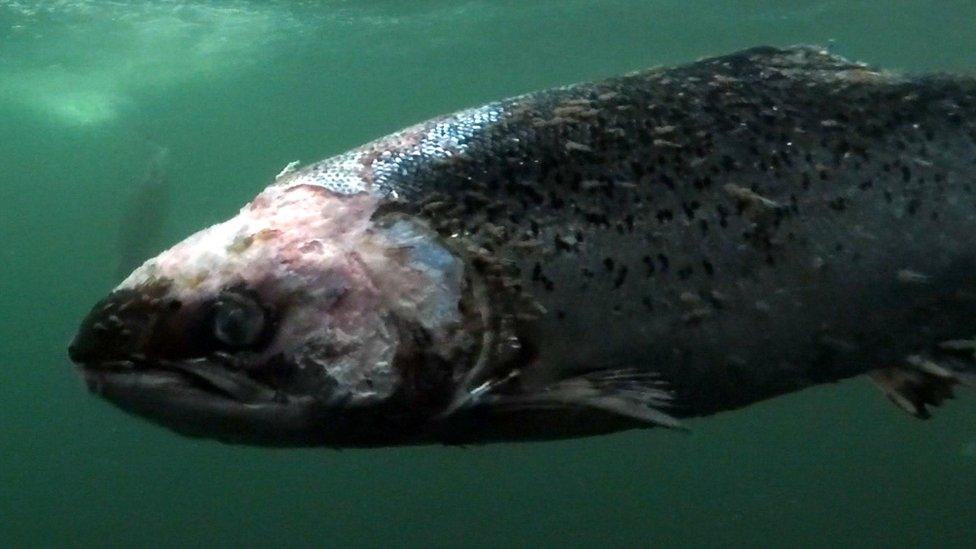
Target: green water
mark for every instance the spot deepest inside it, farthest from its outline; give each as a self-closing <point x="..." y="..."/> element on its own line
<point x="235" y="90"/>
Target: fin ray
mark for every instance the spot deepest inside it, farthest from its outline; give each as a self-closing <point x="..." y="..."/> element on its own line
<point x="626" y="392"/>
<point x="921" y="382"/>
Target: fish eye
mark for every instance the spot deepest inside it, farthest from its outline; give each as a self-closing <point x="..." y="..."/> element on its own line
<point x="238" y="320"/>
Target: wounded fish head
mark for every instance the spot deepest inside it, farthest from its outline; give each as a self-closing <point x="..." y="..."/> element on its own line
<point x="308" y="318"/>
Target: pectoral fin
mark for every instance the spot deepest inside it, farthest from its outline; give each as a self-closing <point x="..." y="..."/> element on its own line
<point x="921" y="383"/>
<point x="630" y="393"/>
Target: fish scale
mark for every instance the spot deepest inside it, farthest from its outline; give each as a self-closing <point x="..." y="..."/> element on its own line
<point x="862" y="173"/>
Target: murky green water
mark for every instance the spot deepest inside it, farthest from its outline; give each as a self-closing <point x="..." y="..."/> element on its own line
<point x="235" y="90"/>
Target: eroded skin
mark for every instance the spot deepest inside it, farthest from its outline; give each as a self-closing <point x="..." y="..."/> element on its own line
<point x="603" y="256"/>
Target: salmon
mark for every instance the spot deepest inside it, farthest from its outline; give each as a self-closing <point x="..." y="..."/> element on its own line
<point x="629" y="253"/>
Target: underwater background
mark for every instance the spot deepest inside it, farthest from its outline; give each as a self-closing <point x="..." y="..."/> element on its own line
<point x="127" y="124"/>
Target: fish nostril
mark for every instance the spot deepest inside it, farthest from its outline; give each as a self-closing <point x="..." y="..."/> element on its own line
<point x="95" y="342"/>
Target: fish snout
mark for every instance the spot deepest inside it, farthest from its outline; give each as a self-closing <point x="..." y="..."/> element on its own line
<point x="116" y="329"/>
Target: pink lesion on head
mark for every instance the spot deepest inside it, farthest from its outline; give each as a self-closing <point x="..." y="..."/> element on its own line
<point x="282" y="229"/>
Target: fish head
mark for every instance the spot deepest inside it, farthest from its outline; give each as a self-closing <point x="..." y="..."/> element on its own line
<point x="308" y="318"/>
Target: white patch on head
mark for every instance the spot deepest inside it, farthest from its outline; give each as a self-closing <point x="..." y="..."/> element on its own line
<point x="428" y="285"/>
<point x="344" y="281"/>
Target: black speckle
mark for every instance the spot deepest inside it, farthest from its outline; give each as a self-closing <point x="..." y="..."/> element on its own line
<point x="608" y="263"/>
<point x="723" y="216"/>
<point x="565" y="243"/>
<point x="621" y="277"/>
<point x="548" y="284"/>
<point x="728" y="163"/>
<point x="913" y="206"/>
<point x="649" y="263"/>
<point x="555" y="201"/>
<point x="709" y="268"/>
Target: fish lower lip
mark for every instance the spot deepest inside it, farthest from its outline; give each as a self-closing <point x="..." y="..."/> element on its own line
<point x="180" y="402"/>
<point x="235" y="384"/>
<point x="199" y="375"/>
<point x="108" y="365"/>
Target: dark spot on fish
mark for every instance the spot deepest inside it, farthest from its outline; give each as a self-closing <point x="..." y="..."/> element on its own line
<point x="621" y="277"/>
<point x="913" y="206"/>
<point x="649" y="263"/>
<point x="548" y="284"/>
<point x="703" y="225"/>
<point x="565" y="243"/>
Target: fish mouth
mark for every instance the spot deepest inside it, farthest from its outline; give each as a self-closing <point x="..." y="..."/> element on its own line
<point x="202" y="398"/>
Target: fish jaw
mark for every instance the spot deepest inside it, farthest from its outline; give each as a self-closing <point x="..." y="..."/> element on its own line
<point x="340" y="301"/>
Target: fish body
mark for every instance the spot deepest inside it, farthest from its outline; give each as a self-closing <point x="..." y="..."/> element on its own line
<point x="145" y="212"/>
<point x="626" y="253"/>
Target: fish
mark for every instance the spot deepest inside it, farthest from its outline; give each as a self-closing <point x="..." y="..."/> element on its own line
<point x="631" y="253"/>
<point x="148" y="207"/>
